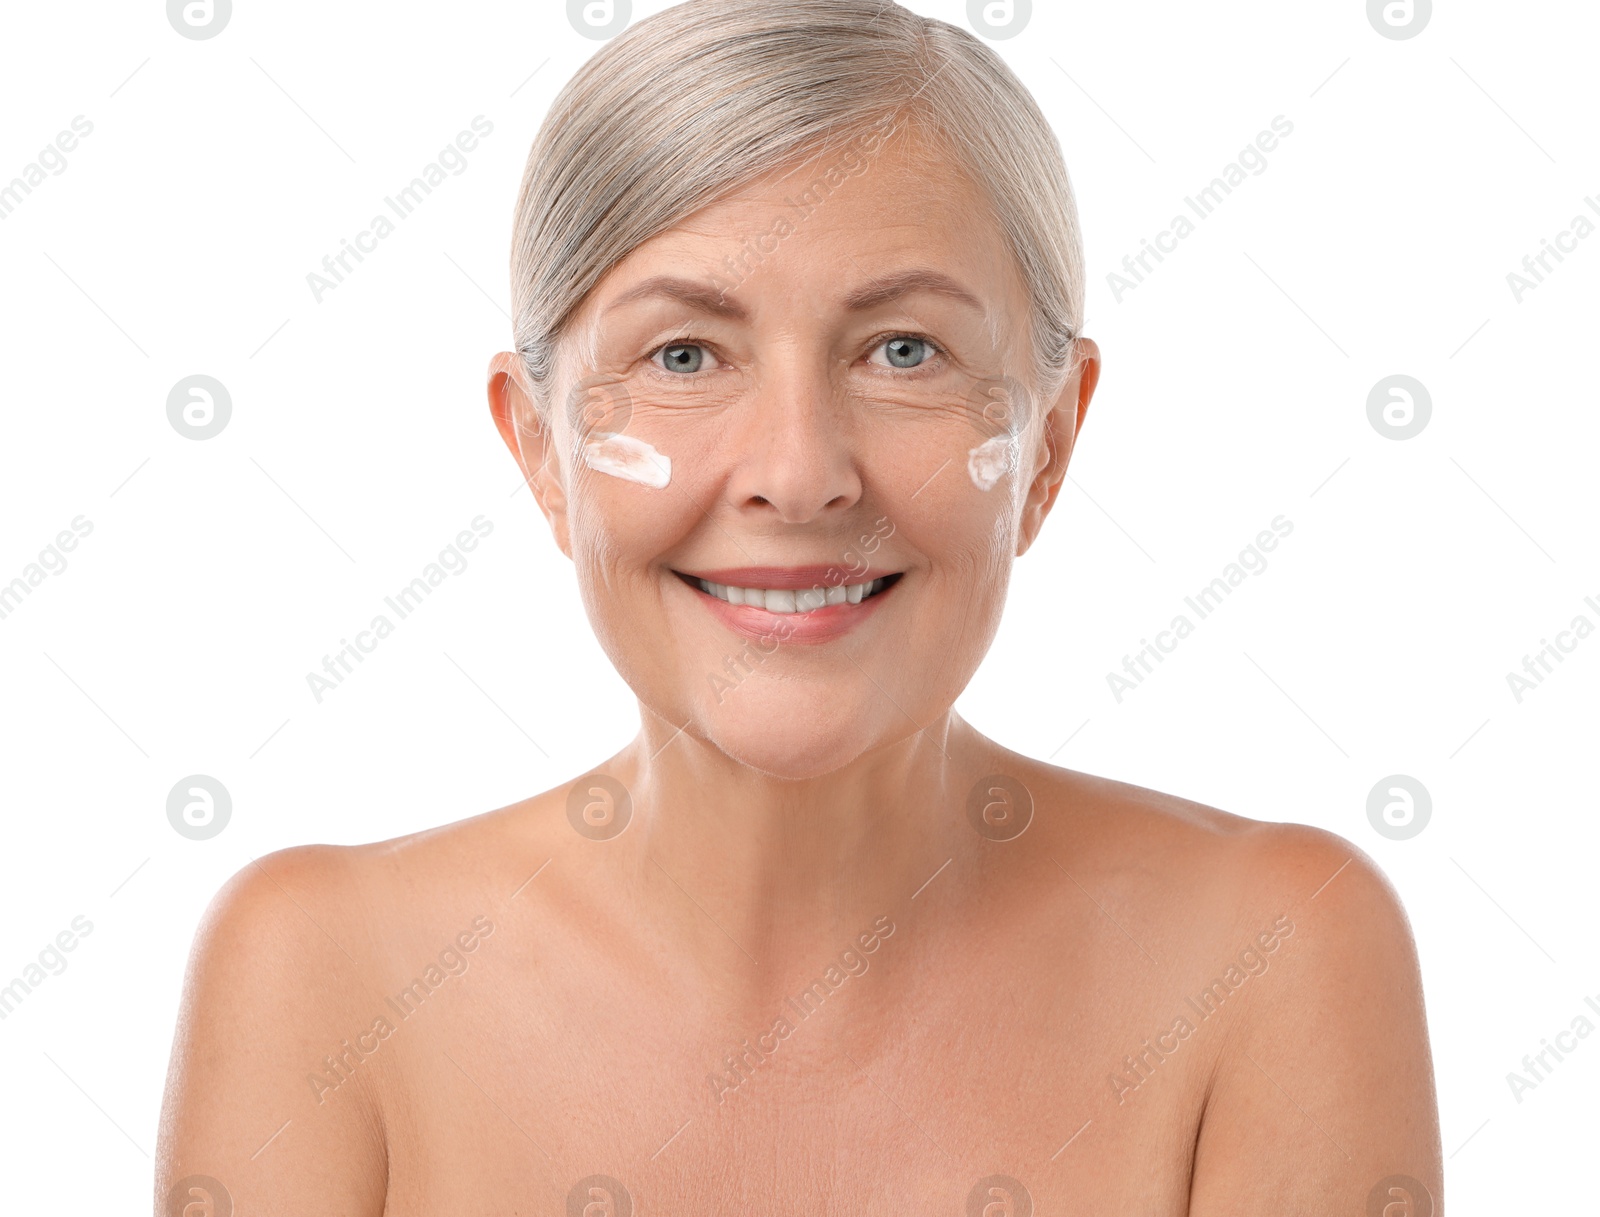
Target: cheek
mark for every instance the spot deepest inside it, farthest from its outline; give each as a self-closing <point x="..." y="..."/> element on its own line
<point x="617" y="526"/>
<point x="993" y="460"/>
<point x="953" y="448"/>
<point x="955" y="496"/>
<point x="627" y="458"/>
<point x="619" y="471"/>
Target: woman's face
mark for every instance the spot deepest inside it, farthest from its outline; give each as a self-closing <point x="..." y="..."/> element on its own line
<point x="805" y="403"/>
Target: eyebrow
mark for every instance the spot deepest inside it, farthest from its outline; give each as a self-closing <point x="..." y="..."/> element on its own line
<point x="879" y="291"/>
<point x="903" y="283"/>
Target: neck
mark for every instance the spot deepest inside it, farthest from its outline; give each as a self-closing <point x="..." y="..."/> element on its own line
<point x="749" y="867"/>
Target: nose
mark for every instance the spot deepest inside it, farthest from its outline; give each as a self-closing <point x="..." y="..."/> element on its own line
<point x="795" y="449"/>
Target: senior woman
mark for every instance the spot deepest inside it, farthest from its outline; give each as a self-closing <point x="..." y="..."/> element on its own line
<point x="799" y="367"/>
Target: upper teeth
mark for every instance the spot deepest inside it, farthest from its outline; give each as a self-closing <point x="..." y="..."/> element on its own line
<point x="789" y="599"/>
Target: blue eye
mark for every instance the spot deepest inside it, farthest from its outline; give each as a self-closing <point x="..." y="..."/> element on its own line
<point x="905" y="351"/>
<point x="683" y="357"/>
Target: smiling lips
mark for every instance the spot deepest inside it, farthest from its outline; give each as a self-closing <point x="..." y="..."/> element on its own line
<point x="794" y="603"/>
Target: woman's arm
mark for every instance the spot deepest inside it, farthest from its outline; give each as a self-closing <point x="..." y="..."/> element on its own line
<point x="1324" y="1101"/>
<point x="265" y="1001"/>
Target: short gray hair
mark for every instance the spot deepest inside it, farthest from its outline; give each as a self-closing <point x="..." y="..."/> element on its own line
<point x="699" y="100"/>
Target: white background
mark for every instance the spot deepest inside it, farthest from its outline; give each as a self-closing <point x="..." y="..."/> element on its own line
<point x="218" y="573"/>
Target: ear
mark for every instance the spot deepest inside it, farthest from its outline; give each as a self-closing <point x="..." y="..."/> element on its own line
<point x="1062" y="423"/>
<point x="530" y="438"/>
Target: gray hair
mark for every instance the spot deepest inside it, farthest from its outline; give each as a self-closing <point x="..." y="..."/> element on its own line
<point x="698" y="101"/>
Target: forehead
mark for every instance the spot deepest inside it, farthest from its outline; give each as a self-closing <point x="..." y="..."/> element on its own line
<point x="835" y="221"/>
<point x="912" y="175"/>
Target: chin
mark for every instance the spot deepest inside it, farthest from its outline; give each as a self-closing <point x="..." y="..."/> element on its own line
<point x="788" y="759"/>
<point x="781" y="740"/>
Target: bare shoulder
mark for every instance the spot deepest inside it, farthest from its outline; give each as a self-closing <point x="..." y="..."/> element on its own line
<point x="267" y="1089"/>
<point x="1320" y="1092"/>
<point x="323" y="903"/>
<point x="1203" y="857"/>
<point x="264" y="998"/>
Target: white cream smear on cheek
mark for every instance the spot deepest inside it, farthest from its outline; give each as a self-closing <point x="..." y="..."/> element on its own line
<point x="628" y="458"/>
<point x="992" y="460"/>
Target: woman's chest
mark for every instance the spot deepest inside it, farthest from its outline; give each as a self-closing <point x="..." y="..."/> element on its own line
<point x="987" y="1087"/>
